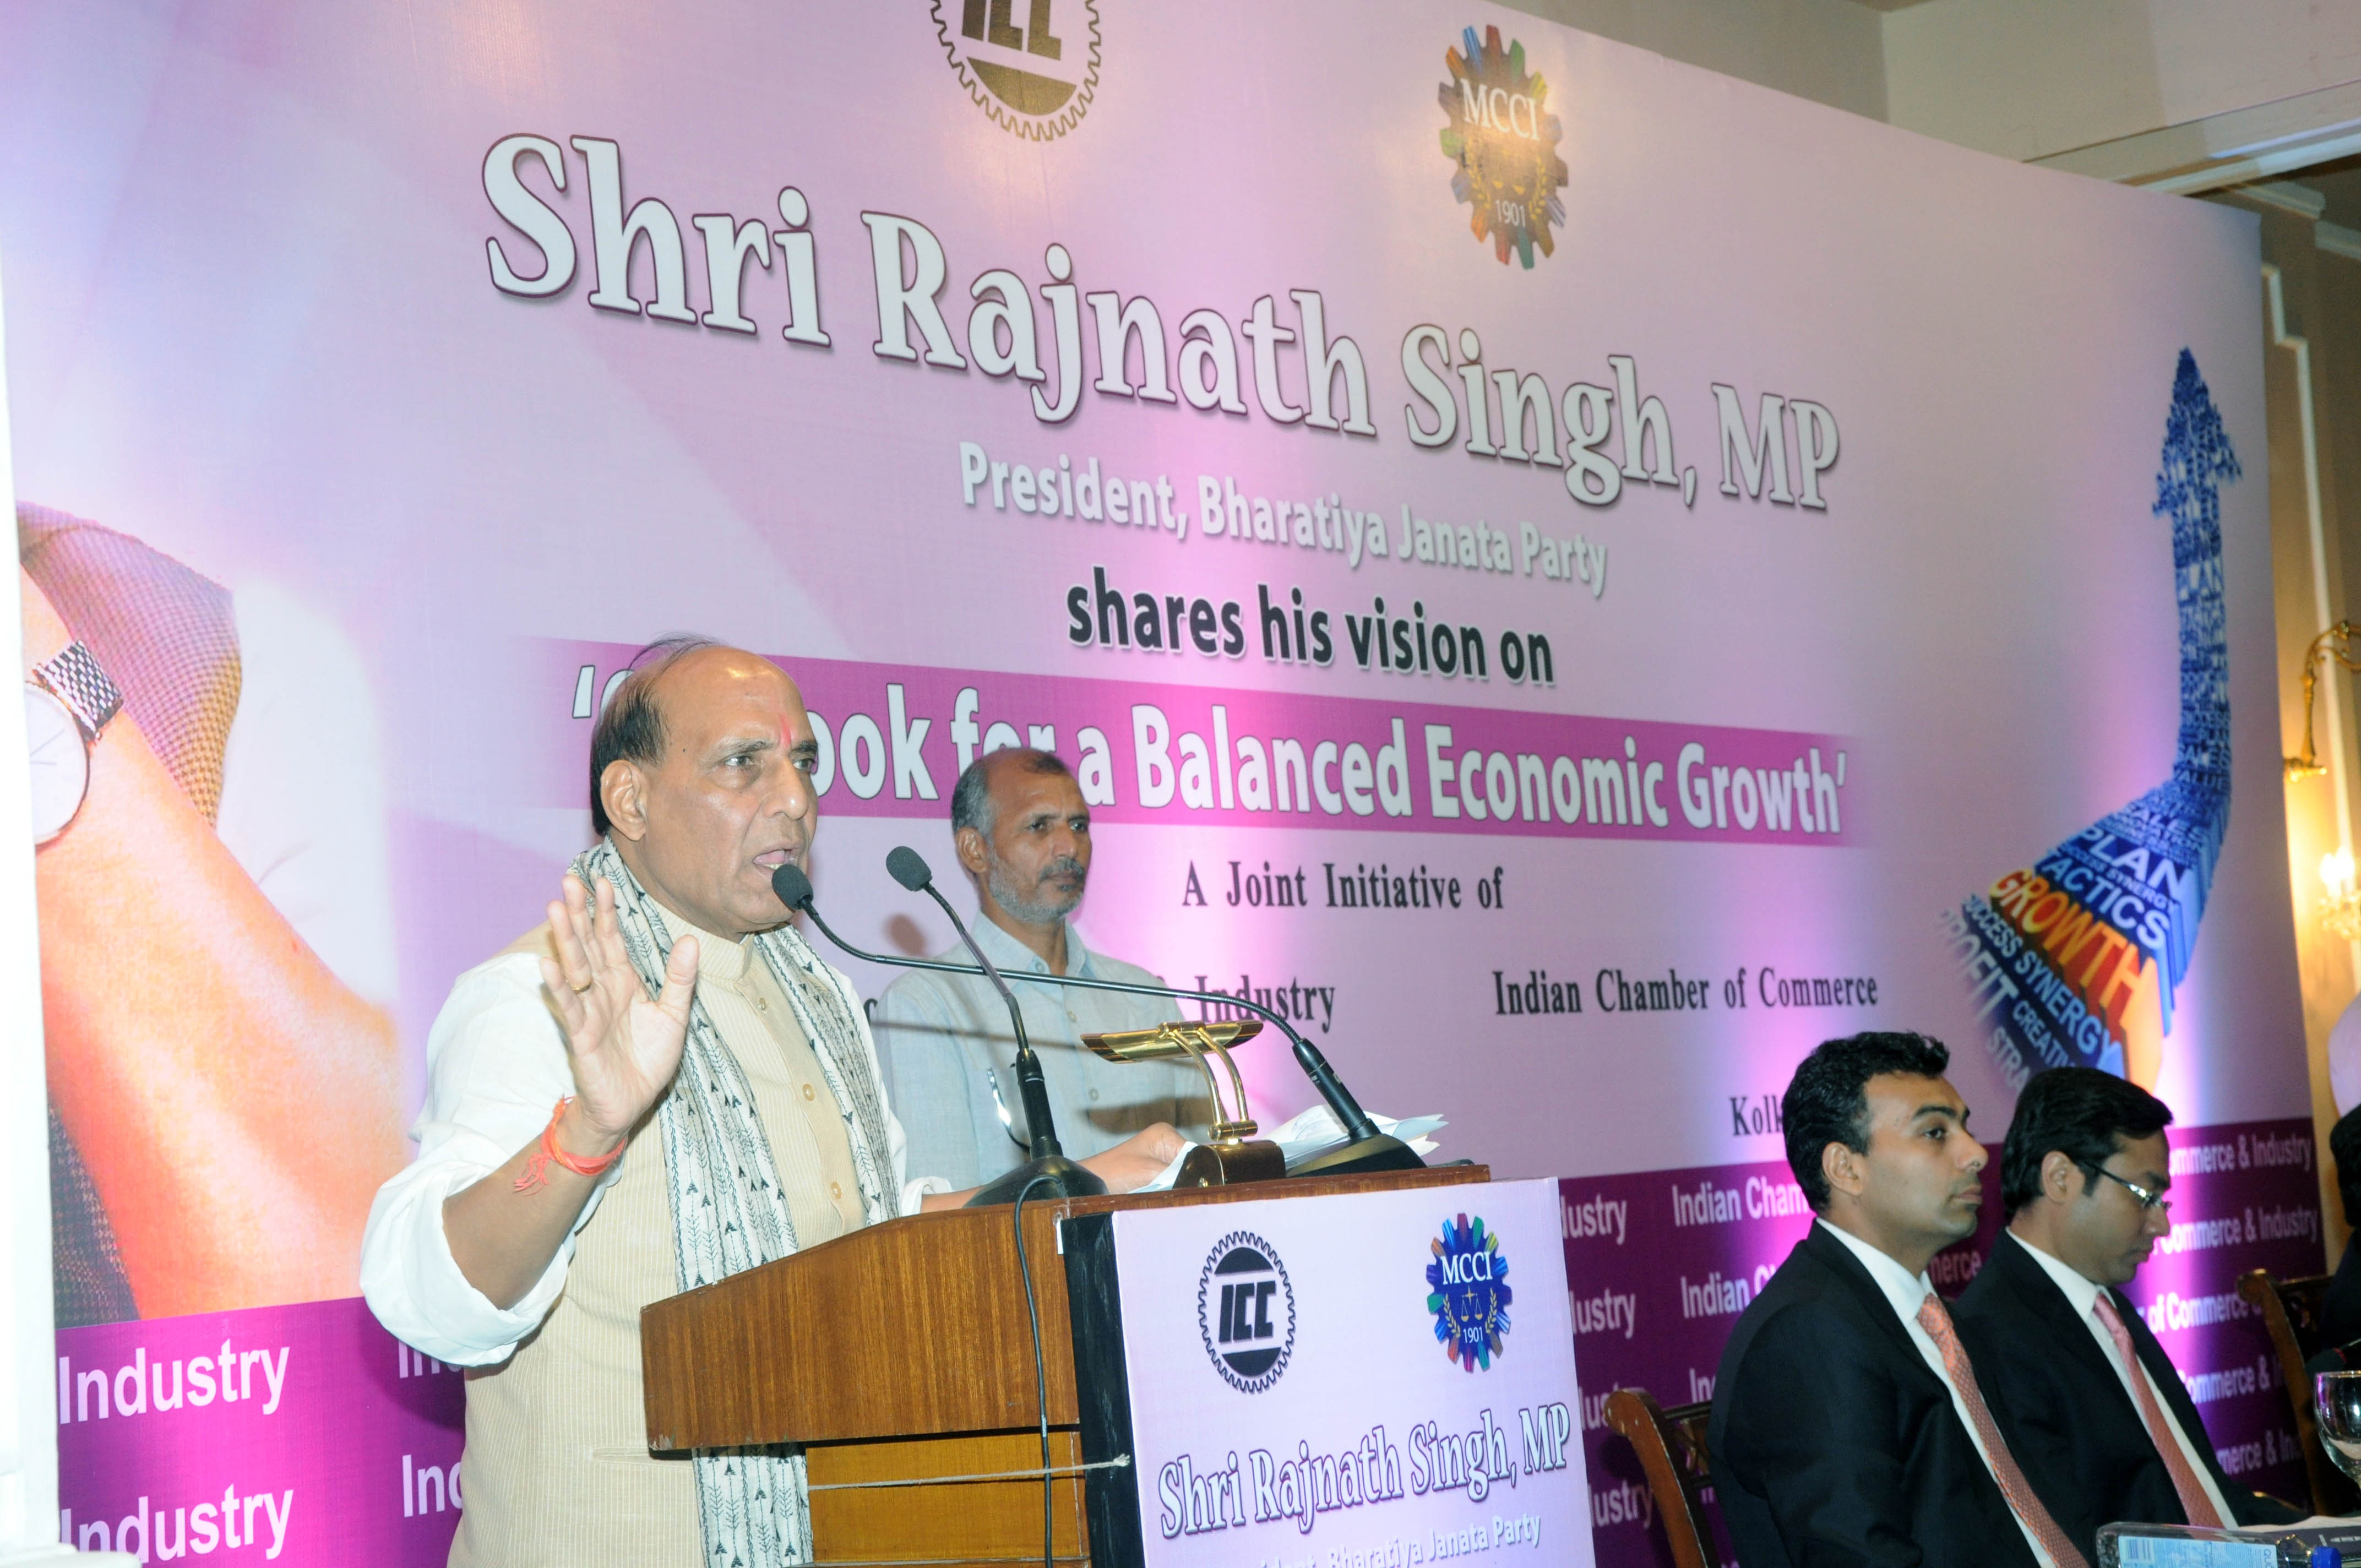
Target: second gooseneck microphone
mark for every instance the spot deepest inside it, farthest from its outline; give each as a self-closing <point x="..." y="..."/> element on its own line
<point x="1064" y="1176"/>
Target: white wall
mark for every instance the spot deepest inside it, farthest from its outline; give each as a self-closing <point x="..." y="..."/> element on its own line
<point x="1829" y="50"/>
<point x="2030" y="78"/>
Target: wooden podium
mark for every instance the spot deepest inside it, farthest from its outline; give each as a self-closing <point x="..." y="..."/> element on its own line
<point x="901" y="1357"/>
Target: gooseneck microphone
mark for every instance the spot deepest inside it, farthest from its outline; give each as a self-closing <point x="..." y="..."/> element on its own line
<point x="1365" y="1149"/>
<point x="1049" y="1166"/>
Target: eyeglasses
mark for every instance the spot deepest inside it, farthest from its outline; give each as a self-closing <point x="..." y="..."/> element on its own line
<point x="2146" y="1199"/>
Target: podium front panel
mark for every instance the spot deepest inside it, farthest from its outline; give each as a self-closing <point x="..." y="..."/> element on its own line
<point x="1381" y="1378"/>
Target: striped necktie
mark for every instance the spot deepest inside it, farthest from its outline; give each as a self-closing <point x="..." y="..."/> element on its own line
<point x="2194" y="1500"/>
<point x="1937" y="1322"/>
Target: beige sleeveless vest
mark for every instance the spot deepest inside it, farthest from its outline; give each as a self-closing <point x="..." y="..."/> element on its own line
<point x="558" y="1472"/>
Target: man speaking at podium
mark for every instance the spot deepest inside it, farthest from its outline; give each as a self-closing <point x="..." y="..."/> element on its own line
<point x="1022" y="832"/>
<point x="661" y="1086"/>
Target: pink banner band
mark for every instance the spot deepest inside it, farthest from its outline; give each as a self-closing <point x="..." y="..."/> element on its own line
<point x="892" y="739"/>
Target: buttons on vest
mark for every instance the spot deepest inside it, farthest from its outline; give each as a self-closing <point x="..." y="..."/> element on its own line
<point x="836" y="1190"/>
<point x="809" y="1092"/>
<point x="749" y="989"/>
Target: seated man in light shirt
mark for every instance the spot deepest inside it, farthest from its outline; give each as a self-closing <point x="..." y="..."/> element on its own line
<point x="1849" y="1426"/>
<point x="717" y="1104"/>
<point x="2088" y="1398"/>
<point x="1022" y="832"/>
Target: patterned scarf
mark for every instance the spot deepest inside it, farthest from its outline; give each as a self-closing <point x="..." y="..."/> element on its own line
<point x="728" y="1213"/>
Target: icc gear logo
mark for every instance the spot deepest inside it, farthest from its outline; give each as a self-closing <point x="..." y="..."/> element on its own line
<point x="1468" y="1292"/>
<point x="1032" y="65"/>
<point x="1246" y="1312"/>
<point x="1504" y="140"/>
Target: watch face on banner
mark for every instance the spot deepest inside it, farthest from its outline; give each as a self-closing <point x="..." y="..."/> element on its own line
<point x="60" y="763"/>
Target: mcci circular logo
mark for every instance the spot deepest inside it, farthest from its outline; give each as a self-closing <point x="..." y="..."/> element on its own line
<point x="1468" y="1292"/>
<point x="1504" y="140"/>
<point x="1246" y="1312"/>
<point x="1032" y="65"/>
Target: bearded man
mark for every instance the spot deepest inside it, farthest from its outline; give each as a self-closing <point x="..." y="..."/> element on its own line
<point x="1022" y="832"/>
<point x="718" y="1104"/>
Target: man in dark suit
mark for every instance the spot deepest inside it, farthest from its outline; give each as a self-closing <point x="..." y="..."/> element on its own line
<point x="2340" y="1315"/>
<point x="1848" y="1427"/>
<point x="2085" y="1396"/>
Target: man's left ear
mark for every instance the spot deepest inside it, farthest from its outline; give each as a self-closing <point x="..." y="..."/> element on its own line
<point x="1842" y="1168"/>
<point x="2059" y="1176"/>
<point x="968" y="844"/>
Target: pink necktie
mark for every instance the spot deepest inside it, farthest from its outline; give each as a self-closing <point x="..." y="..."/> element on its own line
<point x="2012" y="1484"/>
<point x="2194" y="1500"/>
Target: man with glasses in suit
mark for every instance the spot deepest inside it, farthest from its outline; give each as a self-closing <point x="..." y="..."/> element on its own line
<point x="2087" y="1398"/>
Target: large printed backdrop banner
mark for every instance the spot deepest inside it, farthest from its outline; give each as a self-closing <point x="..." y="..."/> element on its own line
<point x="1576" y="577"/>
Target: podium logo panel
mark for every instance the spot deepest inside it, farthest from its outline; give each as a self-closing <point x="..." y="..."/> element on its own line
<point x="1467" y="1291"/>
<point x="1246" y="1312"/>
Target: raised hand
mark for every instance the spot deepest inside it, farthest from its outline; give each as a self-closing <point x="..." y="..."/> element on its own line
<point x="624" y="1046"/>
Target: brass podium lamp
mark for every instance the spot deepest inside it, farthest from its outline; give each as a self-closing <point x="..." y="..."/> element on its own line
<point x="1234" y="1154"/>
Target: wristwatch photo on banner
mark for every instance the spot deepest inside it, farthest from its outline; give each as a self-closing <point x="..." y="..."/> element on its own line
<point x="67" y="702"/>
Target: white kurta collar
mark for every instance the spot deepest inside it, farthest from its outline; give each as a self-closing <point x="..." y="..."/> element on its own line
<point x="1903" y="1289"/>
<point x="2081" y="1293"/>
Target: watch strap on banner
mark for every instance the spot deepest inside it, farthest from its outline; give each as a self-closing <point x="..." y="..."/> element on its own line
<point x="75" y="679"/>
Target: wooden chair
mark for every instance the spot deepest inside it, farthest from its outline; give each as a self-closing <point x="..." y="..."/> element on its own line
<point x="1672" y="1449"/>
<point x="2291" y="1314"/>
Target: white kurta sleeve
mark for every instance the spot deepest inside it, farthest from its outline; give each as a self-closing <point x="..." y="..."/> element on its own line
<point x="496" y="1066"/>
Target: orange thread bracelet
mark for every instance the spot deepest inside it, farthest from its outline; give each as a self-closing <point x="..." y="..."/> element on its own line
<point x="536" y="1166"/>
